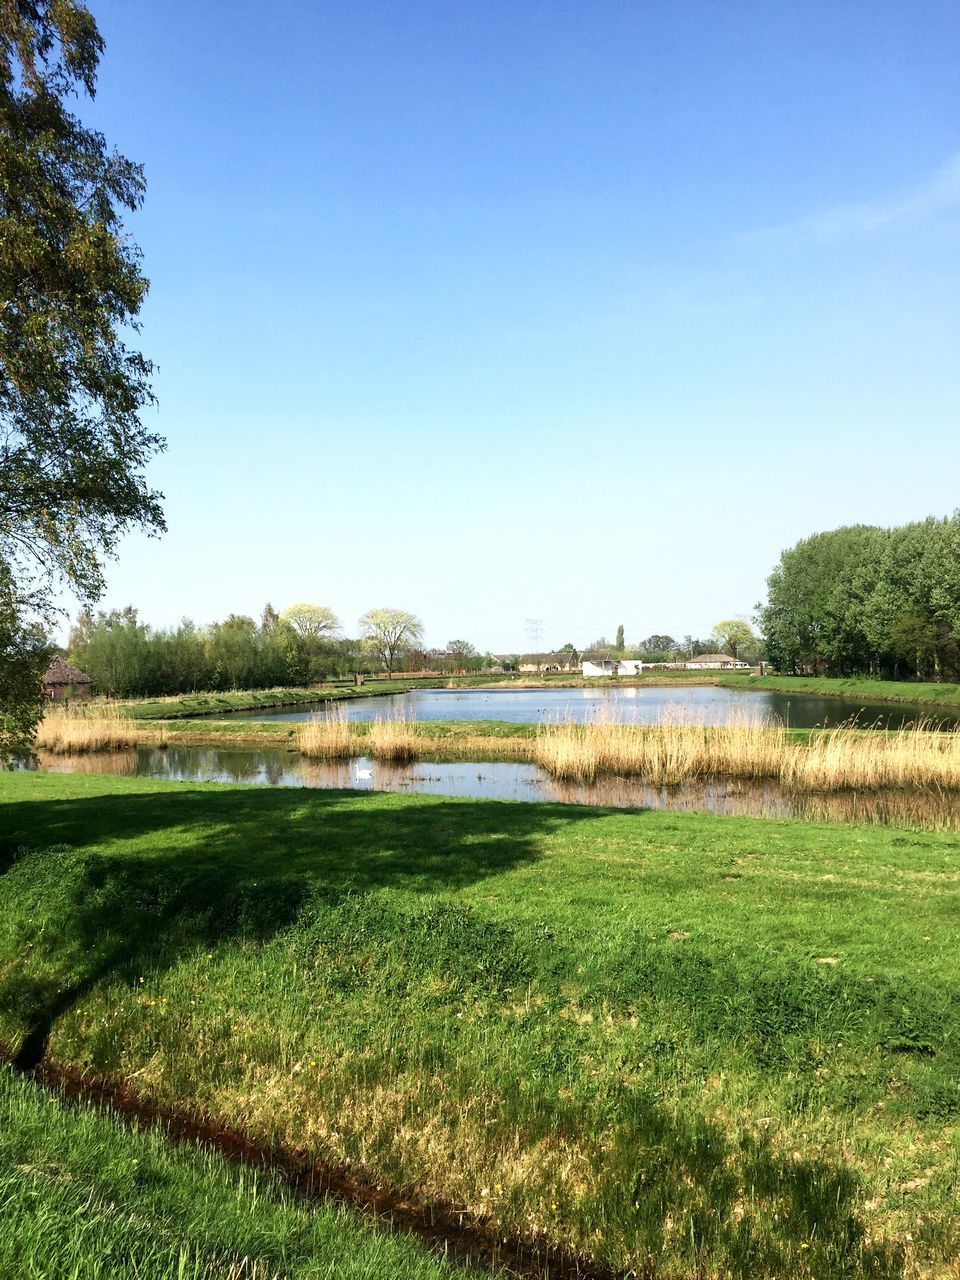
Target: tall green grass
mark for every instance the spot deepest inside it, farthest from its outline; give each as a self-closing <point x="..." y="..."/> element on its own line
<point x="83" y="1198"/>
<point x="713" y="1047"/>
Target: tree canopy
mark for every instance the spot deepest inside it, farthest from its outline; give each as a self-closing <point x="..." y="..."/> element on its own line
<point x="734" y="636"/>
<point x="862" y="600"/>
<point x="311" y="621"/>
<point x="388" y="631"/>
<point x="73" y="448"/>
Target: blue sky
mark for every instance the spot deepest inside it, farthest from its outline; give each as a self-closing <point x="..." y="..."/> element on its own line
<point x="579" y="312"/>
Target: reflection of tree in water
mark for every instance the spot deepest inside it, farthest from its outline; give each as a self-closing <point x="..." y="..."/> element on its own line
<point x="325" y="773"/>
<point x="274" y="770"/>
<point x="122" y="762"/>
<point x="350" y="775"/>
<point x="760" y="800"/>
<point x="914" y="807"/>
<point x="938" y="810"/>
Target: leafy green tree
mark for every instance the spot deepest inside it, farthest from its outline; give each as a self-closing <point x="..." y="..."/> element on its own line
<point x="864" y="600"/>
<point x="387" y="632"/>
<point x="72" y="445"/>
<point x="619" y="641"/>
<point x="311" y="621"/>
<point x="659" y="647"/>
<point x="810" y="620"/>
<point x="734" y="636"/>
<point x="24" y="654"/>
<point x="118" y="655"/>
<point x="462" y="653"/>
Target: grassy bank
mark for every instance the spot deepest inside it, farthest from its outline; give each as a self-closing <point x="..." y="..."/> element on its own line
<point x="209" y="704"/>
<point x="723" y="1047"/>
<point x="944" y="695"/>
<point x="82" y="1196"/>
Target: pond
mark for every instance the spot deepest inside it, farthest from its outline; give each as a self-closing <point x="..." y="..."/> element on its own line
<point x="702" y="703"/>
<point x="507" y="781"/>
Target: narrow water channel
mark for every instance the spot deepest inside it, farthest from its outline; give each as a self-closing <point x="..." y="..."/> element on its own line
<point x="508" y="781"/>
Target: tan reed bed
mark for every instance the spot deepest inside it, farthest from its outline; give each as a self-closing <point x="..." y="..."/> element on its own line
<point x="394" y="739"/>
<point x="674" y="751"/>
<point x="333" y="737"/>
<point x="671" y="752"/>
<point x="97" y="727"/>
<point x="844" y="758"/>
<point x="666" y="753"/>
<point x="327" y="737"/>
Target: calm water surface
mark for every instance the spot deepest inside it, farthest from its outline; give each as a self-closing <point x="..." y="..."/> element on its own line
<point x="507" y="781"/>
<point x="703" y="704"/>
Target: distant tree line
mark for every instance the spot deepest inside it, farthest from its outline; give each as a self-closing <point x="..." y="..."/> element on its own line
<point x="862" y="600"/>
<point x="125" y="657"/>
<point x="733" y="636"/>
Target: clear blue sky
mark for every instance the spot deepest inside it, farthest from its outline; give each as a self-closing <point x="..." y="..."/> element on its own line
<point x="576" y="311"/>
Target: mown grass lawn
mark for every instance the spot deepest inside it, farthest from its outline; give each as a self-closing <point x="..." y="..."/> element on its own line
<point x="715" y="1046"/>
<point x="84" y="1198"/>
<point x="945" y="695"/>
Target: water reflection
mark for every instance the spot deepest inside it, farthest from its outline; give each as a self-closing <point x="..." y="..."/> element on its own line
<point x="507" y="781"/>
<point x="702" y="704"/>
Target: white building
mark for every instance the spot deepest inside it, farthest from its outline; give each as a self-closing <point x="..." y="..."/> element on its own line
<point x="598" y="664"/>
<point x="715" y="662"/>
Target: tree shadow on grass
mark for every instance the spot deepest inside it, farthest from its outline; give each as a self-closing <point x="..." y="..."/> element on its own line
<point x="211" y="865"/>
<point x="134" y="879"/>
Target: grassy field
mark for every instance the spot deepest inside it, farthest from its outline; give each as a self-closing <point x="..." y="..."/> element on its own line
<point x="84" y="1198"/>
<point x="706" y="1046"/>
<point x="203" y="704"/>
<point x="945" y="695"/>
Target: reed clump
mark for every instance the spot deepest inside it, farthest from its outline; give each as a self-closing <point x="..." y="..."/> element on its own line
<point x="333" y="737"/>
<point x="675" y="751"/>
<point x="669" y="752"/>
<point x="394" y="739"/>
<point x="327" y="737"/>
<point x="915" y="755"/>
<point x="95" y="727"/>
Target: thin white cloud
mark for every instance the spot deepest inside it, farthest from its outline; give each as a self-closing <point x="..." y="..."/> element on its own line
<point x="938" y="193"/>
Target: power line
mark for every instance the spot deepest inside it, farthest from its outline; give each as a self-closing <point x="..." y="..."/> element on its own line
<point x="534" y="633"/>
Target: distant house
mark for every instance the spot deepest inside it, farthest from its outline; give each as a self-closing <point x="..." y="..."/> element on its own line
<point x="505" y="661"/>
<point x="62" y="680"/>
<point x="715" y="662"/>
<point x="598" y="664"/>
<point x="630" y="667"/>
<point x="542" y="662"/>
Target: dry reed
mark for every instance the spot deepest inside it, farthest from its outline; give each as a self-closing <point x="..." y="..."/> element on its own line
<point x="393" y="739"/>
<point x="673" y="751"/>
<point x="333" y="737"/>
<point x="327" y="737"/>
<point x="871" y="760"/>
<point x="96" y="727"/>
